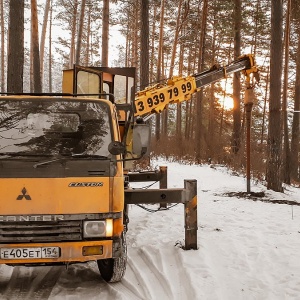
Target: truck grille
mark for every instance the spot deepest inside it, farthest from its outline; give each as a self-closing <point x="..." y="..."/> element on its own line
<point x="22" y="232"/>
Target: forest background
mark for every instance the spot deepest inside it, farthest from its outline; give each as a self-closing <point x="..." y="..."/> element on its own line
<point x="163" y="38"/>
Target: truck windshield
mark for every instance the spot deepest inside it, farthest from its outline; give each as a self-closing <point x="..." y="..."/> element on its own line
<point x="60" y="127"/>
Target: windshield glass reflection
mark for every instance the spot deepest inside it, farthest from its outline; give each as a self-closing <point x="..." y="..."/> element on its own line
<point x="54" y="128"/>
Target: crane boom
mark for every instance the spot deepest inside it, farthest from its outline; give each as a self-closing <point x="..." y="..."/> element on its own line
<point x="155" y="98"/>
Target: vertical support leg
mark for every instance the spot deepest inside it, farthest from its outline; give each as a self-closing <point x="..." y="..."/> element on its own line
<point x="163" y="183"/>
<point x="248" y="107"/>
<point x="190" y="215"/>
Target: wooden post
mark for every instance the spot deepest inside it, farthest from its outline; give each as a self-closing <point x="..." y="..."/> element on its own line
<point x="190" y="215"/>
<point x="163" y="183"/>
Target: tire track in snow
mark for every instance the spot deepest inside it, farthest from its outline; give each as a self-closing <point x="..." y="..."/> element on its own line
<point x="123" y="290"/>
<point x="177" y="275"/>
<point x="28" y="282"/>
<point x="152" y="273"/>
<point x="119" y="290"/>
<point x="152" y="281"/>
<point x="5" y="275"/>
<point x="173" y="275"/>
<point x="83" y="281"/>
<point x="18" y="287"/>
<point x="44" y="285"/>
<point x="133" y="275"/>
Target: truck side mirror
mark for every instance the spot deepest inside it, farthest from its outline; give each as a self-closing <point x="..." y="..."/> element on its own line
<point x="141" y="139"/>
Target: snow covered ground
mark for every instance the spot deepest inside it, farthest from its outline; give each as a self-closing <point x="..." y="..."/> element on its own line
<point x="248" y="249"/>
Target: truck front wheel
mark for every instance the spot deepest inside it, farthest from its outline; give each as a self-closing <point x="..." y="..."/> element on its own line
<point x="113" y="269"/>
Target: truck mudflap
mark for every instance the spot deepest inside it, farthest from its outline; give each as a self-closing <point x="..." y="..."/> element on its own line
<point x="41" y="253"/>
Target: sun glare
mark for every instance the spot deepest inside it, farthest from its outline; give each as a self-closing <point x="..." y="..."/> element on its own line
<point x="226" y="100"/>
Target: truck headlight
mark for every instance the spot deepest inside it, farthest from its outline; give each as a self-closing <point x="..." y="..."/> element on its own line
<point x="97" y="228"/>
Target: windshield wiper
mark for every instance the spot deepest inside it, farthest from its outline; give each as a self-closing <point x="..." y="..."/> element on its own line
<point x="13" y="154"/>
<point x="63" y="158"/>
<point x="60" y="158"/>
<point x="92" y="156"/>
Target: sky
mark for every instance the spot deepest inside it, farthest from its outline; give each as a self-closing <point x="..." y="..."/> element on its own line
<point x="248" y="248"/>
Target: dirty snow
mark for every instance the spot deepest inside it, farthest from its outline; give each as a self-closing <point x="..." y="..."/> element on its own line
<point x="247" y="249"/>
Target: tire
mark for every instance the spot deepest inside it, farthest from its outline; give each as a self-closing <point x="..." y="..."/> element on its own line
<point x="113" y="269"/>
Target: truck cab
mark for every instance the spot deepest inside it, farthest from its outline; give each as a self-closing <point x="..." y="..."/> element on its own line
<point x="61" y="160"/>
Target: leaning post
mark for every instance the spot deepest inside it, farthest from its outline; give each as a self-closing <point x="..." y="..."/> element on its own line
<point x="190" y="214"/>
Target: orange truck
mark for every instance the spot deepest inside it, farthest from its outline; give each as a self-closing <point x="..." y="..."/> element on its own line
<point x="63" y="161"/>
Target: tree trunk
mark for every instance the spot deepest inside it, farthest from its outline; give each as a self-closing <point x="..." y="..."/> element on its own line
<point x="73" y="34"/>
<point x="37" y="82"/>
<point x="144" y="64"/>
<point x="135" y="37"/>
<point x="236" y="134"/>
<point x="80" y="30"/>
<point x="31" y="77"/>
<point x="15" y="47"/>
<point x="274" y="177"/>
<point x="175" y="42"/>
<point x="178" y="106"/>
<point x="105" y="33"/>
<point x="2" y="73"/>
<point x="199" y="114"/>
<point x="88" y="34"/>
<point x="43" y="37"/>
<point x="211" y="118"/>
<point x="264" y="109"/>
<point x="188" y="105"/>
<point x="50" y="52"/>
<point x="296" y="119"/>
<point x="165" y="113"/>
<point x="153" y="39"/>
<point x="222" y="110"/>
<point x="159" y="65"/>
<point x="256" y="18"/>
<point x="286" y="144"/>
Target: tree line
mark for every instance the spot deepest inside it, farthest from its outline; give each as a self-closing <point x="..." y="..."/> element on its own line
<point x="165" y="38"/>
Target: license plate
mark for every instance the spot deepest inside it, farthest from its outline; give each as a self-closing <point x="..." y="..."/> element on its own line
<point x="29" y="253"/>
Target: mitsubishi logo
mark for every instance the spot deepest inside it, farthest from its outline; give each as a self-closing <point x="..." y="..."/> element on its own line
<point x="24" y="195"/>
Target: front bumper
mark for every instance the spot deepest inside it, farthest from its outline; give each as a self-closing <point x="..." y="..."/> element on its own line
<point x="70" y="252"/>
